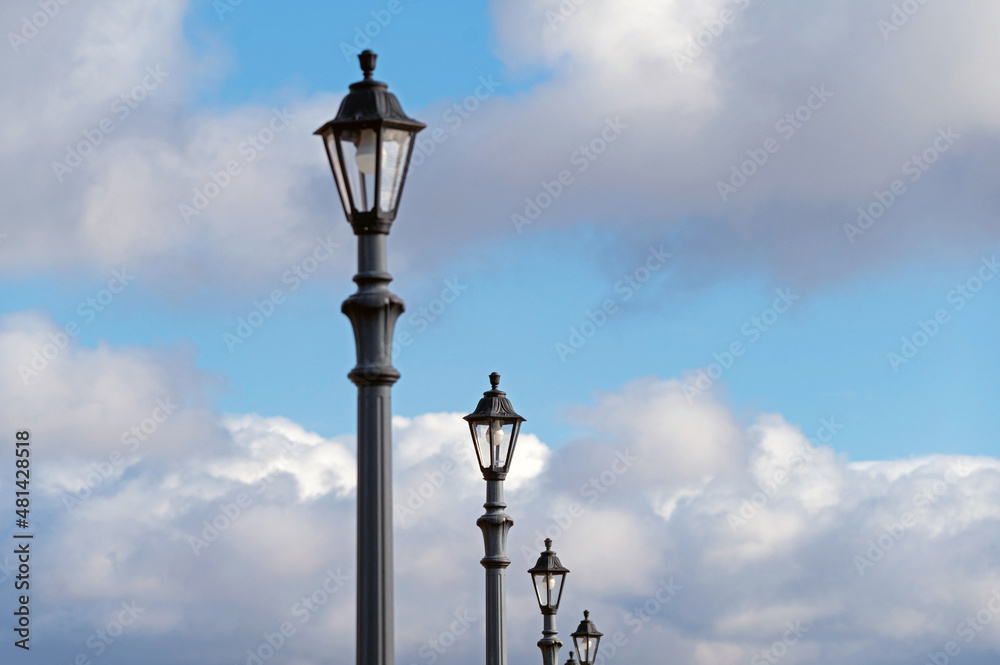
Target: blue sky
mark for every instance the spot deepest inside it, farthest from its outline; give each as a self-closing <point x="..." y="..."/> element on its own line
<point x="641" y="314"/>
<point x="438" y="47"/>
<point x="827" y="358"/>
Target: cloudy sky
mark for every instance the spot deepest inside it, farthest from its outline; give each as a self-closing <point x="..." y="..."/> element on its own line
<point x="734" y="260"/>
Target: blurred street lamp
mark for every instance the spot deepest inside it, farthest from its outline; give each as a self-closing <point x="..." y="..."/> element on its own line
<point x="572" y="660"/>
<point x="494" y="426"/>
<point x="369" y="145"/>
<point x="587" y="638"/>
<point x="548" y="576"/>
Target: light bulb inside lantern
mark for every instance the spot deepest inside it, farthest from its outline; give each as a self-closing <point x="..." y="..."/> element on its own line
<point x="365" y="157"/>
<point x="497" y="436"/>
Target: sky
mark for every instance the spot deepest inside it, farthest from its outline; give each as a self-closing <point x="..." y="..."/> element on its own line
<point x="734" y="261"/>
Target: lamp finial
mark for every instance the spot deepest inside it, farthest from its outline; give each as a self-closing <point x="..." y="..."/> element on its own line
<point x="367" y="59"/>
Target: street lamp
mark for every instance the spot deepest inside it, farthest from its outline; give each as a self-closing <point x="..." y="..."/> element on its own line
<point x="572" y="660"/>
<point x="494" y="426"/>
<point x="587" y="638"/>
<point x="548" y="576"/>
<point x="369" y="145"/>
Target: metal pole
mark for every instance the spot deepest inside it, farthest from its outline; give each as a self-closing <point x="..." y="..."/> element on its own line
<point x="373" y="311"/>
<point x="495" y="524"/>
<point x="550" y="644"/>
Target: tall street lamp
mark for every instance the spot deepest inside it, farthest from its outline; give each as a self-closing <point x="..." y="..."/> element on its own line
<point x="587" y="638"/>
<point x="494" y="426"/>
<point x="548" y="576"/>
<point x="369" y="145"/>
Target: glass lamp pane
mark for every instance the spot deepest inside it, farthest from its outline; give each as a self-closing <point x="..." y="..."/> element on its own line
<point x="556" y="593"/>
<point x="500" y="439"/>
<point x="358" y="148"/>
<point x="395" y="151"/>
<point x="541" y="590"/>
<point x="338" y="172"/>
<point x="547" y="589"/>
<point x="585" y="647"/>
<point x="483" y="444"/>
<point x="491" y="439"/>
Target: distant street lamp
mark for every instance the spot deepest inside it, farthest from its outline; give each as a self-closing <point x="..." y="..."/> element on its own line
<point x="548" y="576"/>
<point x="587" y="638"/>
<point x="369" y="145"/>
<point x="572" y="660"/>
<point x="494" y="426"/>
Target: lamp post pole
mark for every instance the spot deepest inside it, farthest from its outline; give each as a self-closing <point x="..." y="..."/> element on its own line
<point x="369" y="144"/>
<point x="373" y="311"/>
<point x="494" y="426"/>
<point x="550" y="643"/>
<point x="495" y="524"/>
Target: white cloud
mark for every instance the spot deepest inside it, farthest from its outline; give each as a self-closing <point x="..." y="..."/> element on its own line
<point x="685" y="129"/>
<point x="120" y="204"/>
<point x="208" y="519"/>
<point x="266" y="446"/>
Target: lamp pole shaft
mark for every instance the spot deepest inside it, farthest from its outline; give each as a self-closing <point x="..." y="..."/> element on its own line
<point x="373" y="311"/>
<point x="495" y="524"/>
<point x="550" y="644"/>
